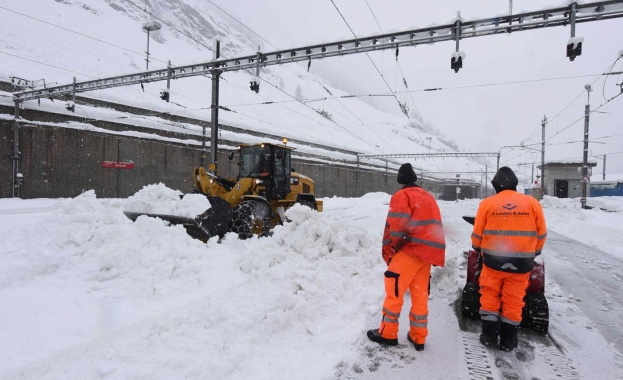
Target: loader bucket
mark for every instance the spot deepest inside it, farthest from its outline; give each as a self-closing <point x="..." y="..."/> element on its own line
<point x="213" y="222"/>
<point x="217" y="219"/>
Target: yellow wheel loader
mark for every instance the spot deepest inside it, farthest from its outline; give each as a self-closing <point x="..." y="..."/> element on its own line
<point x="252" y="203"/>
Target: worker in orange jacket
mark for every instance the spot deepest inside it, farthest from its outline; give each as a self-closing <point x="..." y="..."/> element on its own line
<point x="413" y="240"/>
<point x="509" y="232"/>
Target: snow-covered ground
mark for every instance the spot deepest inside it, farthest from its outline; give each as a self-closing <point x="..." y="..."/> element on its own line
<point x="88" y="294"/>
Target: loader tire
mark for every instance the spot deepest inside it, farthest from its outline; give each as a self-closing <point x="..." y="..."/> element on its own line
<point x="251" y="218"/>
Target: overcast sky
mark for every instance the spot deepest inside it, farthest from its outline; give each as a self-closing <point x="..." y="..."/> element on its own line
<point x="475" y="108"/>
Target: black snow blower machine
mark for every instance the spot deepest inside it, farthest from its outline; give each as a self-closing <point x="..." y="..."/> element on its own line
<point x="535" y="313"/>
<point x="254" y="202"/>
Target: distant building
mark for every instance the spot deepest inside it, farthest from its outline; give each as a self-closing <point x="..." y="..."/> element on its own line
<point x="564" y="179"/>
<point x="467" y="189"/>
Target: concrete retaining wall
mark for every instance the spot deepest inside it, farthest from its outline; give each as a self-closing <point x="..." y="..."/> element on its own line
<point x="61" y="162"/>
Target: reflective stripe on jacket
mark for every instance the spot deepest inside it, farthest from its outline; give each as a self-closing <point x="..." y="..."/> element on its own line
<point x="414" y="226"/>
<point x="509" y="231"/>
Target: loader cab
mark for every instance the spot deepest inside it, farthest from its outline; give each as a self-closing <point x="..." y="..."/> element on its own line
<point x="269" y="163"/>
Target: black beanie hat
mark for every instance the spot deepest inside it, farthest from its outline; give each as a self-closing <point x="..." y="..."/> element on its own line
<point x="406" y="174"/>
<point x="505" y="179"/>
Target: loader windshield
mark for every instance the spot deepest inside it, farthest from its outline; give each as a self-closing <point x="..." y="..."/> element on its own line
<point x="253" y="161"/>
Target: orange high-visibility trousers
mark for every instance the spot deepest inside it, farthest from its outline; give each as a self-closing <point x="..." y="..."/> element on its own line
<point x="406" y="272"/>
<point x="502" y="294"/>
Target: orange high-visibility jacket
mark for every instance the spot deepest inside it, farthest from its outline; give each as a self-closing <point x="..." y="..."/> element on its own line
<point x="414" y="226"/>
<point x="509" y="231"/>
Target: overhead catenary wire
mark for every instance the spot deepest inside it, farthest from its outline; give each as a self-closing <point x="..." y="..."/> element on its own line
<point x="322" y="123"/>
<point x="376" y="68"/>
<point x="581" y="118"/>
<point x="46" y="64"/>
<point x="439" y="88"/>
<point x="314" y="77"/>
<point x="397" y="62"/>
<point x="603" y="87"/>
<point x="211" y="49"/>
<point x="572" y="101"/>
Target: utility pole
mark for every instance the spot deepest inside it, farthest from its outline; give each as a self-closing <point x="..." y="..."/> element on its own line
<point x="587" y="111"/>
<point x="486" y="181"/>
<point x="357" y="178"/>
<point x="17" y="176"/>
<point x="543" y="123"/>
<point x="482" y="186"/>
<point x="458" y="188"/>
<point x="603" y="178"/>
<point x="216" y="74"/>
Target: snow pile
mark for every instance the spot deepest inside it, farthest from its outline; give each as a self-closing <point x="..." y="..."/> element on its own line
<point x="566" y="216"/>
<point x="159" y="199"/>
<point x="110" y="273"/>
<point x="89" y="294"/>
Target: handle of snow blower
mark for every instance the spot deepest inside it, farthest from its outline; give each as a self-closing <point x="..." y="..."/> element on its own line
<point x="470" y="219"/>
<point x="479" y="268"/>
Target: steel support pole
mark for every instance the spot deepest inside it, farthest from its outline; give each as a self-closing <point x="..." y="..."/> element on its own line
<point x="387" y="170"/>
<point x="457" y="29"/>
<point x="572" y="10"/>
<point x="16" y="182"/>
<point x="216" y="74"/>
<point x="543" y="123"/>
<point x="357" y="178"/>
<point x="486" y="181"/>
<point x="587" y="111"/>
<point x="603" y="176"/>
<point x="147" y="59"/>
<point x="169" y="81"/>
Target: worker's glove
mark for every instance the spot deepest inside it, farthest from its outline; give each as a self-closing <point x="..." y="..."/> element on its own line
<point x="479" y="270"/>
<point x="387" y="253"/>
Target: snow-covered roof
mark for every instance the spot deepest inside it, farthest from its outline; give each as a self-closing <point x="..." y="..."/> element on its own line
<point x="567" y="163"/>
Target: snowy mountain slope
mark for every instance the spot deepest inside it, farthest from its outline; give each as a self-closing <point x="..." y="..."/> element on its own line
<point x="57" y="40"/>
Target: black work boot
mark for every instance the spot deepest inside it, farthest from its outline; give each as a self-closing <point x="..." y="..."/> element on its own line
<point x="418" y="346"/>
<point x="508" y="337"/>
<point x="490" y="333"/>
<point x="375" y="336"/>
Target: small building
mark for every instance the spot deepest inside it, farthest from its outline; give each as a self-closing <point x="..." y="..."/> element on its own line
<point x="564" y="179"/>
<point x="607" y="188"/>
<point x="467" y="189"/>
